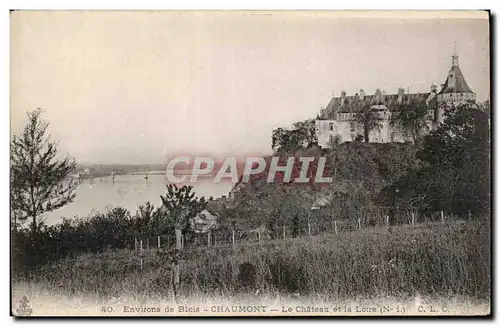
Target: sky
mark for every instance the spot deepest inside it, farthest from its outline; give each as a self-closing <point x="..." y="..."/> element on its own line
<point x="142" y="86"/>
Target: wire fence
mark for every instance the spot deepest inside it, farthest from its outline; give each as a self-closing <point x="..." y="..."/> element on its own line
<point x="225" y="236"/>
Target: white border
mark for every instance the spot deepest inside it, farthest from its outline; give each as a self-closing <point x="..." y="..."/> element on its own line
<point x="187" y="4"/>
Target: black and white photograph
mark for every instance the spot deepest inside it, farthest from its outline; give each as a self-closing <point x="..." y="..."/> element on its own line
<point x="251" y="163"/>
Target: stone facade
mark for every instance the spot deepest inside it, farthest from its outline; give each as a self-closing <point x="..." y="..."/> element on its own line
<point x="338" y="123"/>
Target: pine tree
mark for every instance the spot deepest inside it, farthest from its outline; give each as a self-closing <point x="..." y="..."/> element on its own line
<point x="38" y="178"/>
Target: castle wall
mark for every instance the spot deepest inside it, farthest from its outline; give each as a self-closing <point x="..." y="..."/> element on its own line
<point x="455" y="91"/>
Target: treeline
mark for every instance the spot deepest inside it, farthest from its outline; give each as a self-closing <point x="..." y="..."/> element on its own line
<point x="115" y="229"/>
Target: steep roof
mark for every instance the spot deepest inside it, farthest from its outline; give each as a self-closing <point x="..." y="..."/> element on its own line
<point x="460" y="83"/>
<point x="355" y="103"/>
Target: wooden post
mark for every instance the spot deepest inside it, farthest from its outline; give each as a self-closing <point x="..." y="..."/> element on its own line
<point x="177" y="273"/>
<point x="470" y="216"/>
<point x="308" y="229"/>
<point x="412" y="219"/>
<point x="209" y="238"/>
<point x="147" y="244"/>
<point x="178" y="247"/>
<point x="359" y="223"/>
<point x="159" y="245"/>
<point x="335" y="224"/>
<point x="178" y="239"/>
<point x="442" y="217"/>
<point x="284" y="232"/>
<point x="232" y="237"/>
<point x="141" y="254"/>
<point x="387" y="220"/>
<point x="258" y="231"/>
<point x="135" y="243"/>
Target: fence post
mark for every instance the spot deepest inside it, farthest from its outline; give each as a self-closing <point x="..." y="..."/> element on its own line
<point x="335" y="224"/>
<point x="159" y="245"/>
<point x="442" y="217"/>
<point x="232" y="237"/>
<point x="147" y="244"/>
<point x="470" y="216"/>
<point x="387" y="220"/>
<point x="412" y="219"/>
<point x="141" y="254"/>
<point x="359" y="223"/>
<point x="284" y="232"/>
<point x="178" y="236"/>
<point x="308" y="229"/>
<point x="135" y="243"/>
<point x="209" y="238"/>
<point x="178" y="247"/>
<point x="258" y="231"/>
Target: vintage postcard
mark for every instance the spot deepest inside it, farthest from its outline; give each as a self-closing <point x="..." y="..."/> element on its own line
<point x="250" y="163"/>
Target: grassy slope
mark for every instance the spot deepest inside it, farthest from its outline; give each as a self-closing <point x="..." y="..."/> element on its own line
<point x="436" y="260"/>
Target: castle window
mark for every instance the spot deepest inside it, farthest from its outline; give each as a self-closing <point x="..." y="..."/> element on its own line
<point x="330" y="126"/>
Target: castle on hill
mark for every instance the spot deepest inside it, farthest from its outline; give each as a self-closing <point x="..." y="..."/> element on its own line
<point x="338" y="123"/>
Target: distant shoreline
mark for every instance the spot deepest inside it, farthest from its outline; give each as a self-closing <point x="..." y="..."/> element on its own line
<point x="103" y="174"/>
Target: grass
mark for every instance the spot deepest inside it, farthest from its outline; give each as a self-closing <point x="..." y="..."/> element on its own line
<point x="439" y="262"/>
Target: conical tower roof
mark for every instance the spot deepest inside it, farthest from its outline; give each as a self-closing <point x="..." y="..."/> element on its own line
<point x="459" y="85"/>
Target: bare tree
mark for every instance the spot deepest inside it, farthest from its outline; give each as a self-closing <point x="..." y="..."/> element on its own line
<point x="38" y="179"/>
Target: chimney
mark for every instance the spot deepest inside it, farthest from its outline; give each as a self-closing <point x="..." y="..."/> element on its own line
<point x="342" y="97"/>
<point x="361" y="94"/>
<point x="433" y="88"/>
<point x="401" y="92"/>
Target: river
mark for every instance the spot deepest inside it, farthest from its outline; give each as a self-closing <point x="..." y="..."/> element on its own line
<point x="128" y="191"/>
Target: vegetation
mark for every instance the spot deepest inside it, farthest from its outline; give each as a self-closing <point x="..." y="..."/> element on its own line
<point x="38" y="179"/>
<point x="303" y="134"/>
<point x="411" y="119"/>
<point x="370" y="119"/>
<point x="454" y="174"/>
<point x="181" y="205"/>
<point x="433" y="260"/>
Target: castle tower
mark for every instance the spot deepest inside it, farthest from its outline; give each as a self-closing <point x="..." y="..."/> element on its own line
<point x="455" y="90"/>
